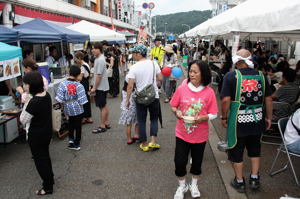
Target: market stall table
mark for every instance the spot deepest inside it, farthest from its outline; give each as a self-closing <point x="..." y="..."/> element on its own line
<point x="5" y="119"/>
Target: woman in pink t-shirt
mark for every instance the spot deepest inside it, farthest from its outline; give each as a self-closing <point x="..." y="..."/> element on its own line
<point x="194" y="103"/>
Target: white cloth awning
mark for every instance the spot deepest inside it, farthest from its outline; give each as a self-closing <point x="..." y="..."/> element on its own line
<point x="96" y="32"/>
<point x="267" y="18"/>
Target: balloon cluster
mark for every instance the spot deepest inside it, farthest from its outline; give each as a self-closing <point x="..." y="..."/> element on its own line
<point x="175" y="71"/>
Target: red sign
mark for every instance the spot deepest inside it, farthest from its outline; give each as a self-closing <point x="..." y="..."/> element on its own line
<point x="151" y="5"/>
<point x="119" y="3"/>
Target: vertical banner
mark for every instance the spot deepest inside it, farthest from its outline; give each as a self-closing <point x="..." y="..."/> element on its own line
<point x="142" y="35"/>
<point x="119" y="6"/>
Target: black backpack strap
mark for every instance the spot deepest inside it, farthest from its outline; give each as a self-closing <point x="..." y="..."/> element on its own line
<point x="295" y="127"/>
<point x="86" y="68"/>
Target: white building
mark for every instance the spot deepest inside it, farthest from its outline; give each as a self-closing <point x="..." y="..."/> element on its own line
<point x="219" y="6"/>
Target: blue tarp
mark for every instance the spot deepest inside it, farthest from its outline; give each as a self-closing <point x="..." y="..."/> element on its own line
<point x="37" y="36"/>
<point x="66" y="35"/>
<point x="8" y="34"/>
<point x="8" y="52"/>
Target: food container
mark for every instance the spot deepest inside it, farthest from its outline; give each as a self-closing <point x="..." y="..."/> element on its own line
<point x="189" y="119"/>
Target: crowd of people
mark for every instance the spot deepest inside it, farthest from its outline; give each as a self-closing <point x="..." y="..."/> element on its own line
<point x="248" y="83"/>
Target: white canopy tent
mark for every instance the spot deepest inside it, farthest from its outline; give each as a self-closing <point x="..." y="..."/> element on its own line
<point x="96" y="32"/>
<point x="255" y="18"/>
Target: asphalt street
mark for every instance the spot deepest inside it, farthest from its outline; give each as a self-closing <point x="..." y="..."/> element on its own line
<point x="105" y="167"/>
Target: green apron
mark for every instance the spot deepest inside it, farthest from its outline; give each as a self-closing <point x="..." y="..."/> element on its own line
<point x="236" y="105"/>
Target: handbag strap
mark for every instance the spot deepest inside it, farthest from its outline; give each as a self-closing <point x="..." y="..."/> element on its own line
<point x="153" y="72"/>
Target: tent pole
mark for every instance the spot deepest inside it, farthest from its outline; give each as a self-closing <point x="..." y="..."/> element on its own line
<point x="197" y="45"/>
<point x="62" y="48"/>
<point x="209" y="49"/>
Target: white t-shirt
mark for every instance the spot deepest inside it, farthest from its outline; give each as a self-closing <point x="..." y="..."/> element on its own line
<point x="142" y="72"/>
<point x="291" y="134"/>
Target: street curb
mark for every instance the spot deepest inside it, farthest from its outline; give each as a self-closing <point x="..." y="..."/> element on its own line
<point x="224" y="166"/>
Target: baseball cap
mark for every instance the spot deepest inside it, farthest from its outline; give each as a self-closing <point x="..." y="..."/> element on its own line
<point x="140" y="48"/>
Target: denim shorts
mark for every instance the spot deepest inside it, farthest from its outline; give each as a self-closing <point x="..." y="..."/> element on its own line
<point x="294" y="147"/>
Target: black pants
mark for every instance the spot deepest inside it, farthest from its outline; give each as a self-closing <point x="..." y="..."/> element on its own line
<point x="142" y="112"/>
<point x="87" y="107"/>
<point x="75" y="125"/>
<point x="182" y="151"/>
<point x="251" y="143"/>
<point x="41" y="156"/>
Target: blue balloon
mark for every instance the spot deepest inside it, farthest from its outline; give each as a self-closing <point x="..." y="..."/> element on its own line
<point x="176" y="72"/>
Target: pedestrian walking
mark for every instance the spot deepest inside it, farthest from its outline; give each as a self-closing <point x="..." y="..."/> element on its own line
<point x="85" y="81"/>
<point x="101" y="87"/>
<point x="194" y="103"/>
<point x="37" y="113"/>
<point x="114" y="80"/>
<point x="169" y="83"/>
<point x="72" y="94"/>
<point x="128" y="116"/>
<point x="144" y="74"/>
<point x="244" y="95"/>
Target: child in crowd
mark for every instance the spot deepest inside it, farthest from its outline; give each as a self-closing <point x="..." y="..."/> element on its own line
<point x="72" y="94"/>
<point x="129" y="116"/>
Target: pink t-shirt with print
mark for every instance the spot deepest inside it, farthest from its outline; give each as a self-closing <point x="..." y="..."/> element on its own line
<point x="192" y="103"/>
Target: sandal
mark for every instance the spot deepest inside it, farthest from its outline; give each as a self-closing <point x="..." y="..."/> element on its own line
<point x="166" y="101"/>
<point x="107" y="126"/>
<point x="99" y="130"/>
<point x="130" y="142"/>
<point x="89" y="121"/>
<point x="43" y="192"/>
<point x="136" y="139"/>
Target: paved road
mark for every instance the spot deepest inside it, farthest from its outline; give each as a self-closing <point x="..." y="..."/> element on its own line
<point x="105" y="167"/>
<point x="271" y="187"/>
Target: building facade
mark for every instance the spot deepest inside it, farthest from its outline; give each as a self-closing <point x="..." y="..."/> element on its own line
<point x="219" y="6"/>
<point x="113" y="14"/>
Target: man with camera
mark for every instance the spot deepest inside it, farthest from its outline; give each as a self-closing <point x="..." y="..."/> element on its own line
<point x="157" y="52"/>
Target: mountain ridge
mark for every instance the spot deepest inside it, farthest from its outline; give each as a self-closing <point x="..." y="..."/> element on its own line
<point x="175" y="20"/>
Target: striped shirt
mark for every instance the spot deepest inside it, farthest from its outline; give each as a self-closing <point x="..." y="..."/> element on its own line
<point x="72" y="94"/>
<point x="287" y="93"/>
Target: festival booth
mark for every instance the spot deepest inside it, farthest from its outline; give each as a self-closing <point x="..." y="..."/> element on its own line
<point x="267" y="19"/>
<point x="96" y="32"/>
<point x="8" y="35"/>
<point x="66" y="35"/>
<point x="130" y="37"/>
<point x="10" y="57"/>
<point x="60" y="35"/>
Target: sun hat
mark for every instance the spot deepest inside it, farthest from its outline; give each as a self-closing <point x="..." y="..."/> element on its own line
<point x="168" y="48"/>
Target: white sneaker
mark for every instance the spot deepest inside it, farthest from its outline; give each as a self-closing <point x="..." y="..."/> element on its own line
<point x="194" y="191"/>
<point x="181" y="191"/>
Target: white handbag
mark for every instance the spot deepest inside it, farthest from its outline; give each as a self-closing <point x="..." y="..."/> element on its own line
<point x="56" y="120"/>
<point x="109" y="71"/>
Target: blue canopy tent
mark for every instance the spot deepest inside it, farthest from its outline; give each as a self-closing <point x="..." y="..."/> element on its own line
<point x="8" y="34"/>
<point x="37" y="36"/>
<point x="66" y="35"/>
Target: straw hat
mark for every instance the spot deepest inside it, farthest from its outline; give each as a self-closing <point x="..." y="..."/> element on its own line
<point x="168" y="48"/>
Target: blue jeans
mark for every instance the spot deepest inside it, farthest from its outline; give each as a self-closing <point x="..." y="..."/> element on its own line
<point x="294" y="147"/>
<point x="142" y="111"/>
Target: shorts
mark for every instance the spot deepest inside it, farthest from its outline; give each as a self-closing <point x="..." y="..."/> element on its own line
<point x="251" y="143"/>
<point x="100" y="98"/>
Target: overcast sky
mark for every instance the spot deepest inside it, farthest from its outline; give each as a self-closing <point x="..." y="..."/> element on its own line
<point x="172" y="6"/>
